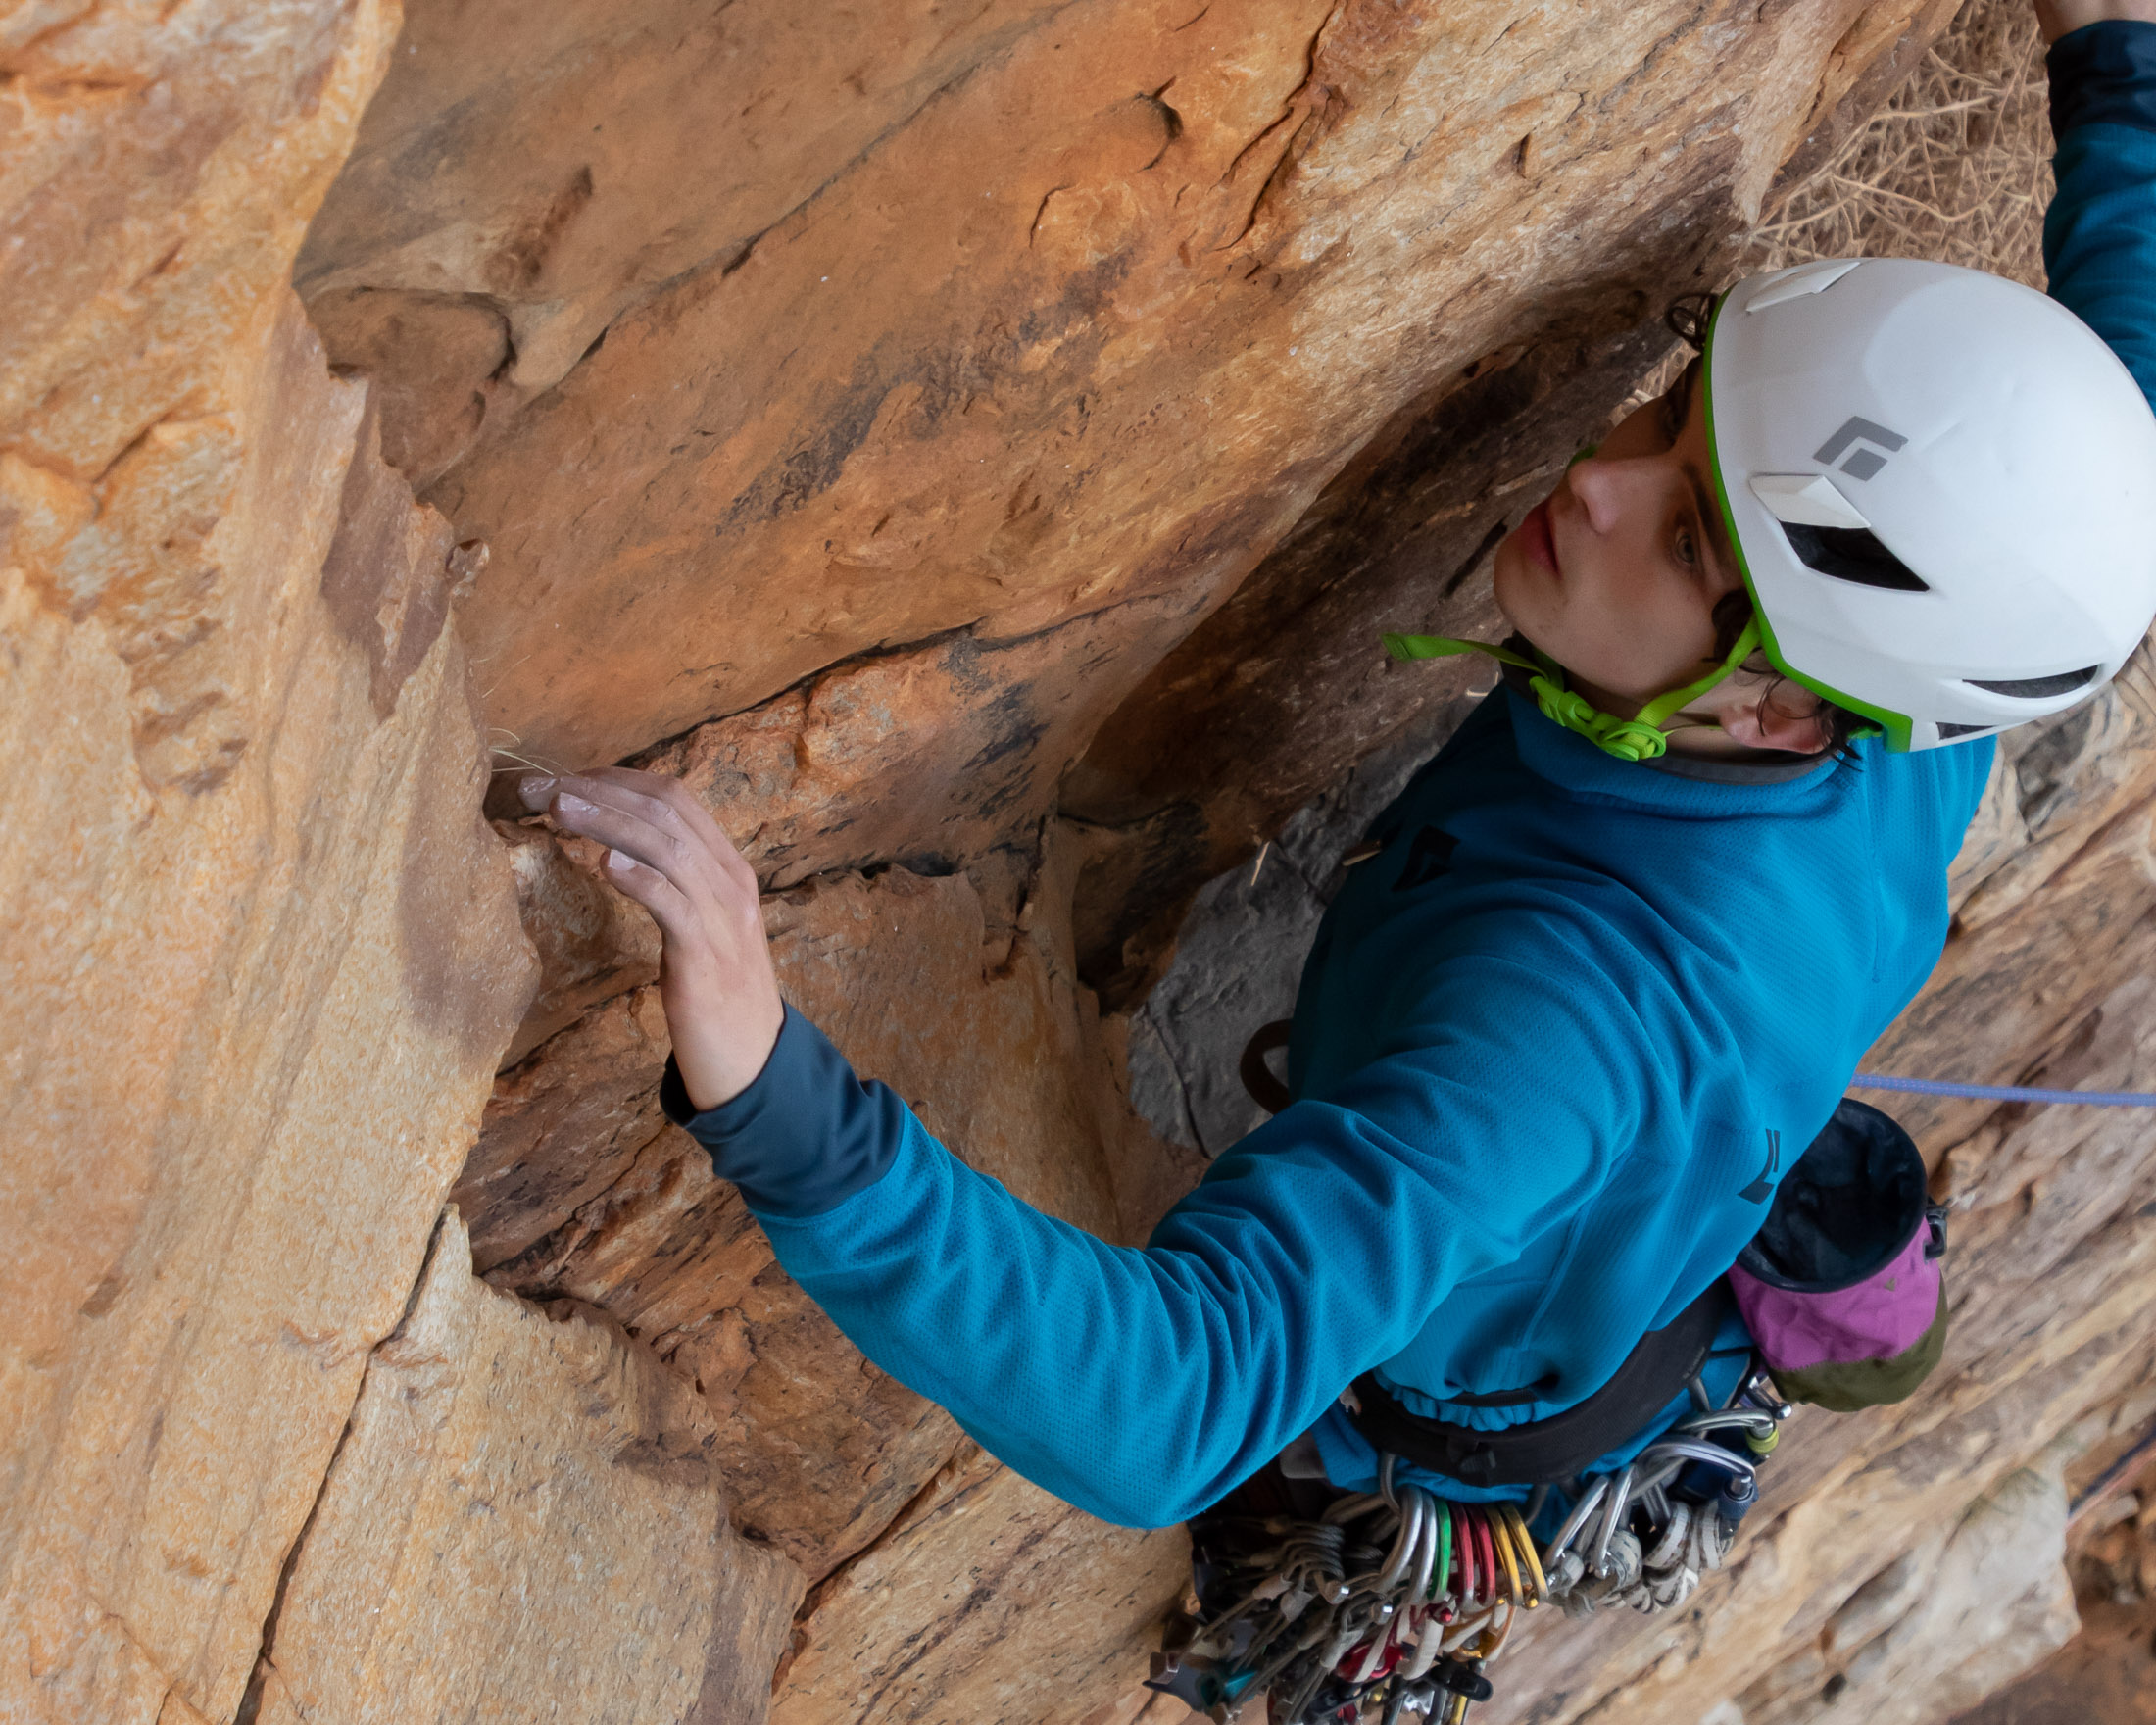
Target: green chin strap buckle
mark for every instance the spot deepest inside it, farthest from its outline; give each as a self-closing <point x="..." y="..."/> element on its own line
<point x="1638" y="738"/>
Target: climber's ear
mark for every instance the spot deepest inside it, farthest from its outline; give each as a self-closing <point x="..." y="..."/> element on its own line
<point x="1783" y="716"/>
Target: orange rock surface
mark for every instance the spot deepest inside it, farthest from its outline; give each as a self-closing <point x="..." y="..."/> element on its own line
<point x="501" y="1452"/>
<point x="262" y="957"/>
<point x="838" y="337"/>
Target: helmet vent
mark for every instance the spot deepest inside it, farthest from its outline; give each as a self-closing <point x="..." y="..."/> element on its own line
<point x="1852" y="553"/>
<point x="1946" y="730"/>
<point x="2037" y="688"/>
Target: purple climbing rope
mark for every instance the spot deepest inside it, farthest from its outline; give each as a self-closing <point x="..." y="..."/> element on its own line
<point x="2103" y="1098"/>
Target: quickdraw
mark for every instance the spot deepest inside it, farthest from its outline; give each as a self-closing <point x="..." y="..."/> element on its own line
<point x="1393" y="1604"/>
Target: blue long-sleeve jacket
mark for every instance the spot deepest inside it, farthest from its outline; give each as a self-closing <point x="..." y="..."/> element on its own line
<point x="1554" y="1046"/>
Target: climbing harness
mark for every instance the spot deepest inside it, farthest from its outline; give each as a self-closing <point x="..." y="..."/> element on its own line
<point x="1643" y="737"/>
<point x="1563" y="1444"/>
<point x="1393" y="1604"/>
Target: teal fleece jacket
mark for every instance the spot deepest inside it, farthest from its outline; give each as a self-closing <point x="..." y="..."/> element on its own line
<point x="1554" y="1047"/>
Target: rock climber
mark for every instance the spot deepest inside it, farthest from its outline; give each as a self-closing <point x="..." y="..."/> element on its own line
<point x="1624" y="939"/>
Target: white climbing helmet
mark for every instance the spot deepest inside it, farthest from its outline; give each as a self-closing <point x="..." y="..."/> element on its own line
<point x="1941" y="487"/>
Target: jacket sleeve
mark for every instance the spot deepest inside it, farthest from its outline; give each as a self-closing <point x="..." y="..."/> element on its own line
<point x="1142" y="1383"/>
<point x="2100" y="234"/>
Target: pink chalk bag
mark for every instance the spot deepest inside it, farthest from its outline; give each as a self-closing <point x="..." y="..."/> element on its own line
<point x="1842" y="1287"/>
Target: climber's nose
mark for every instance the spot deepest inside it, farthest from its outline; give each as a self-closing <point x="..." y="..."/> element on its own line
<point x="1604" y="492"/>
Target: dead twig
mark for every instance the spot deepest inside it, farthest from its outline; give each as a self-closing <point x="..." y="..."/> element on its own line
<point x="1956" y="166"/>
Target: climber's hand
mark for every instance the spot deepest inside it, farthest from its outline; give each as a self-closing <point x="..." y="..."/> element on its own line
<point x="714" y="977"/>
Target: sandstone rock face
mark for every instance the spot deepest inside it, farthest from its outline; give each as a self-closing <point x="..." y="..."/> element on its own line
<point x="1035" y="1608"/>
<point x="2101" y="1676"/>
<point x="260" y="955"/>
<point x="541" y="1474"/>
<point x="1957" y="1616"/>
<point x="1094" y="301"/>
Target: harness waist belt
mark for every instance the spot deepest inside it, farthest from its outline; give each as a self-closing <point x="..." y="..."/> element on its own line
<point x="1549" y="1451"/>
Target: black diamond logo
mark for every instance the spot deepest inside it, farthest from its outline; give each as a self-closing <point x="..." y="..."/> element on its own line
<point x="1863" y="463"/>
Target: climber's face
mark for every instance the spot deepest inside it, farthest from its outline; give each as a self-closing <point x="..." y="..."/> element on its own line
<point x="1616" y="573"/>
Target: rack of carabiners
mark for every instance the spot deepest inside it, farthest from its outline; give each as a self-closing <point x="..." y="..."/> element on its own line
<point x="1393" y="1603"/>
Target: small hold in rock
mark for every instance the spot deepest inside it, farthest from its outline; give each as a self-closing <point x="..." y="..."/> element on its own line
<point x="464" y="564"/>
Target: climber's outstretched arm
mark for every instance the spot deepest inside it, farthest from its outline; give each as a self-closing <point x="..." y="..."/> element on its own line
<point x="1138" y="1383"/>
<point x="2099" y="235"/>
<point x="1142" y="1383"/>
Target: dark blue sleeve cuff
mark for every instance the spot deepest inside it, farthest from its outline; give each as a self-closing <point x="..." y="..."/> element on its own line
<point x="804" y="1135"/>
<point x="2104" y="71"/>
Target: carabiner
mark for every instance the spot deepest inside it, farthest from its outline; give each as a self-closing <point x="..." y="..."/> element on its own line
<point x="1465" y="1545"/>
<point x="1695" y="1449"/>
<point x="1619" y="1501"/>
<point x="1404" y="1547"/>
<point x="1575" y="1521"/>
<point x="1426" y="1548"/>
<point x="1530" y="1562"/>
<point x="1441" y="1574"/>
<point x="1485" y="1549"/>
<point x="1501" y="1536"/>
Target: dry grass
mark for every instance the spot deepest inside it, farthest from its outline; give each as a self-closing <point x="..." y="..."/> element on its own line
<point x="1956" y="167"/>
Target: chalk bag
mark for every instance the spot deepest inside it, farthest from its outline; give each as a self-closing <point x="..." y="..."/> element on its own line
<point x="1843" y="1288"/>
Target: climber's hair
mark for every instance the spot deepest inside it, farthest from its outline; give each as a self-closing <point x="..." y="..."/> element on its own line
<point x="1688" y="319"/>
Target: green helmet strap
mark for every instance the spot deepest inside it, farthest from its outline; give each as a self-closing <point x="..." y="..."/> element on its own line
<point x="1638" y="738"/>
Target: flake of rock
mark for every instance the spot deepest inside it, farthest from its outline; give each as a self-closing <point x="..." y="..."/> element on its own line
<point x="931" y="756"/>
<point x="260" y="955"/>
<point x="593" y="944"/>
<point x="437" y="358"/>
<point x="555" y="1488"/>
<point x="561" y="1130"/>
